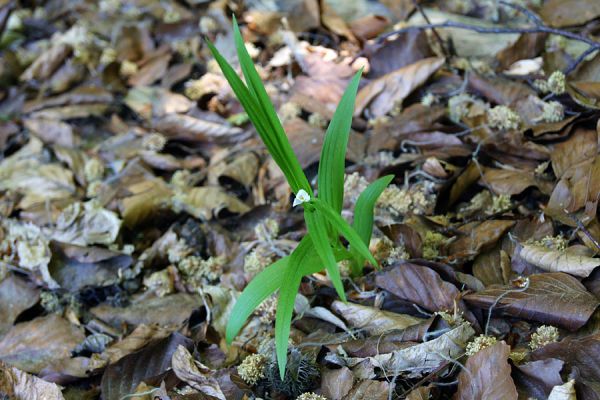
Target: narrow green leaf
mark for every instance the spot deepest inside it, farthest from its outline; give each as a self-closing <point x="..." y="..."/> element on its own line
<point x="261" y="287"/>
<point x="363" y="216"/>
<point x="293" y="170"/>
<point x="292" y="275"/>
<point x="344" y="229"/>
<point x="333" y="153"/>
<point x="321" y="242"/>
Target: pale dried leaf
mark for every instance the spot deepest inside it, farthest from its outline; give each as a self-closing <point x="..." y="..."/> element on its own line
<point x="373" y="320"/>
<point x="19" y="385"/>
<point x="195" y="374"/>
<point x="559" y="261"/>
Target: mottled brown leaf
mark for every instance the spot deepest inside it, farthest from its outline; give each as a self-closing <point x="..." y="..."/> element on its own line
<point x="553" y="298"/>
<point x="487" y="376"/>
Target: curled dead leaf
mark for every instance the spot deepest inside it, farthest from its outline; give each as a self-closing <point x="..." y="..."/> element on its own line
<point x="559" y="261"/>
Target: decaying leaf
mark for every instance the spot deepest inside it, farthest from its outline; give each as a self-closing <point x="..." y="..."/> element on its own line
<point x="372" y="320"/>
<point x="206" y="202"/>
<point x="19" y="385"/>
<point x="559" y="261"/>
<point x="388" y="91"/>
<point x="553" y="298"/>
<point x="487" y="375"/>
<point x="195" y="374"/>
<point x="32" y="345"/>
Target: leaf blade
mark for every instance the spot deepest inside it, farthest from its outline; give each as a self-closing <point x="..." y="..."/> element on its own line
<point x="344" y="229"/>
<point x="333" y="152"/>
<point x="320" y="239"/>
<point x="261" y="286"/>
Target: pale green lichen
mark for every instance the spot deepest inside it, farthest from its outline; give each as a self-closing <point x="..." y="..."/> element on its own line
<point x="317" y="120"/>
<point x="257" y="260"/>
<point x="559" y="243"/>
<point x="543" y="336"/>
<point x="503" y="118"/>
<point x="311" y="396"/>
<point x="197" y="270"/>
<point x="557" y="83"/>
<point x="552" y="111"/>
<point x="452" y="318"/>
<point x="267" y="230"/>
<point x="160" y="282"/>
<point x="289" y="111"/>
<point x="432" y="242"/>
<point x="465" y="105"/>
<point x="178" y="251"/>
<point x="399" y="201"/>
<point x="499" y="204"/>
<point x="128" y="68"/>
<point x="154" y="142"/>
<point x="253" y="369"/>
<point x="479" y="343"/>
<point x="181" y="178"/>
<point x="93" y="169"/>
<point x="429" y="99"/>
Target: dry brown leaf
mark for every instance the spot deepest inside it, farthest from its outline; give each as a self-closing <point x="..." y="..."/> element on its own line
<point x="19" y="385"/>
<point x="151" y="102"/>
<point x="561" y="13"/>
<point x="47" y="62"/>
<point x="559" y="261"/>
<point x="388" y="91"/>
<point x="487" y="376"/>
<point x="16" y="296"/>
<point x="426" y="356"/>
<point x="195" y="374"/>
<point x="336" y="383"/>
<point x="148" y="197"/>
<point x="32" y="345"/>
<point x="372" y="320"/>
<point x="552" y="298"/>
<point x="207" y="202"/>
<point x="190" y="128"/>
<point x="51" y="131"/>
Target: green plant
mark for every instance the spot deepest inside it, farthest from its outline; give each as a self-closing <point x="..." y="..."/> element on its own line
<point x="321" y="245"/>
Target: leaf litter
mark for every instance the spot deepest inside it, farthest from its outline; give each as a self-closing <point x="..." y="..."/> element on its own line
<point x="136" y="201"/>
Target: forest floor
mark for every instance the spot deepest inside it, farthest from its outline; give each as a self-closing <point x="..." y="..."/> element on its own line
<point x="137" y="201"/>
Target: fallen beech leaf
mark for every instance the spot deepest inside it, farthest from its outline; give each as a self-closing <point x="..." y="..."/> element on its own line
<point x="149" y="102"/>
<point x="513" y="182"/>
<point x="122" y="378"/>
<point x="581" y="354"/>
<point x="32" y="345"/>
<point x="195" y="374"/>
<point x="186" y="127"/>
<point x="336" y="383"/>
<point x="422" y="286"/>
<point x="553" y="298"/>
<point x="165" y="311"/>
<point x="51" y="131"/>
<point x="46" y="63"/>
<point x="427" y="356"/>
<point x="372" y="320"/>
<point x="207" y="202"/>
<point x="487" y="375"/>
<point x="370" y="389"/>
<point x="561" y="13"/>
<point x="16" y="296"/>
<point x="478" y="236"/>
<point x="559" y="261"/>
<point x="537" y="378"/>
<point x="19" y="385"/>
<point x="384" y="93"/>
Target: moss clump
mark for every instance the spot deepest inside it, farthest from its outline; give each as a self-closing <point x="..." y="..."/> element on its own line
<point x="252" y="369"/>
<point x="311" y="396"/>
<point x="544" y="335"/>
<point x="503" y="118"/>
<point x="432" y="243"/>
<point x="479" y="343"/>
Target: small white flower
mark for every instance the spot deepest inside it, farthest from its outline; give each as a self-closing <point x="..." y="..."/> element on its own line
<point x="301" y="197"/>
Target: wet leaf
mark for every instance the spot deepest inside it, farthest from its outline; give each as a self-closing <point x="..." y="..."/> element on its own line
<point x="487" y="375"/>
<point x="552" y="298"/>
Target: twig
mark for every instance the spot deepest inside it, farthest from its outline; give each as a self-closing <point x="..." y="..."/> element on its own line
<point x="594" y="45"/>
<point x="435" y="32"/>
